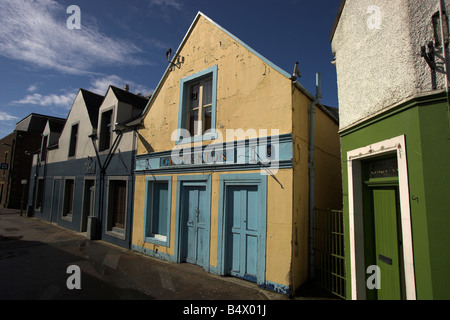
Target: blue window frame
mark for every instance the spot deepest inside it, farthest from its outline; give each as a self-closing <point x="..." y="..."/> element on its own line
<point x="197" y="108"/>
<point x="157" y="210"/>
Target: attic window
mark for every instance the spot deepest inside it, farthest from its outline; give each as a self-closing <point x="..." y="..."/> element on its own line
<point x="436" y="19"/>
<point x="73" y="140"/>
<point x="200" y="102"/>
<point x="197" y="109"/>
<point x="105" y="130"/>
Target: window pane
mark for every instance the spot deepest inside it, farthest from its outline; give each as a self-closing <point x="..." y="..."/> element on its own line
<point x="206" y="119"/>
<point x="106" y="130"/>
<point x="68" y="197"/>
<point x="195" y="89"/>
<point x="44" y="149"/>
<point x="193" y="123"/>
<point x="207" y="92"/>
<point x="73" y="140"/>
<point x="159" y="212"/>
<point x="384" y="168"/>
<point x="119" y="204"/>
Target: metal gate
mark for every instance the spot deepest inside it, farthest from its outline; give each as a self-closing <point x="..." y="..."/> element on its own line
<point x="328" y="246"/>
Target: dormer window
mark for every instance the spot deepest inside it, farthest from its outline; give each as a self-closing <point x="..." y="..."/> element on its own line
<point x="436" y="19"/>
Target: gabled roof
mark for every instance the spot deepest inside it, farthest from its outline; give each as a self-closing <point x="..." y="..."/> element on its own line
<point x="93" y="102"/>
<point x="35" y="122"/>
<point x="272" y="65"/>
<point x="130" y="98"/>
<point x="200" y="14"/>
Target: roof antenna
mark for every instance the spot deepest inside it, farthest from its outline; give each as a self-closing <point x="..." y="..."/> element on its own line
<point x="296" y="74"/>
<point x="168" y="54"/>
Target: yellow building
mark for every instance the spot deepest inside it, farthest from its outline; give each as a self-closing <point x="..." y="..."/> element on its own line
<point x="222" y="178"/>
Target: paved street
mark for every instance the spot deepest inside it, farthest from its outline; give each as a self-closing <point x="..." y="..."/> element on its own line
<point x="35" y="255"/>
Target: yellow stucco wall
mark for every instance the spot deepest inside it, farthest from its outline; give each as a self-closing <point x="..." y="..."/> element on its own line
<point x="250" y="94"/>
<point x="300" y="132"/>
<point x="327" y="157"/>
<point x="279" y="222"/>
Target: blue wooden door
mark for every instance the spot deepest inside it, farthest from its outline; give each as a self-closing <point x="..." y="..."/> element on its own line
<point x="242" y="241"/>
<point x="195" y="233"/>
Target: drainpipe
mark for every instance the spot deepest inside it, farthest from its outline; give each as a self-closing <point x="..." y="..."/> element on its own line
<point x="311" y="169"/>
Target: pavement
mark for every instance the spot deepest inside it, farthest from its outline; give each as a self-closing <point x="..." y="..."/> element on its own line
<point x="35" y="256"/>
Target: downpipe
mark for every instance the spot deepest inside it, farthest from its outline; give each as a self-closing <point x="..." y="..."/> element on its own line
<point x="311" y="170"/>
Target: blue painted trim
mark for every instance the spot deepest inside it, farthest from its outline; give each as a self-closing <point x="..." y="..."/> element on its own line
<point x="182" y="109"/>
<point x="250" y="179"/>
<point x="276" y="287"/>
<point x="148" y="205"/>
<point x="203" y="180"/>
<point x="231" y="150"/>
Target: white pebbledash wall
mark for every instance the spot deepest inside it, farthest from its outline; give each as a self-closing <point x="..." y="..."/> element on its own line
<point x="377" y="46"/>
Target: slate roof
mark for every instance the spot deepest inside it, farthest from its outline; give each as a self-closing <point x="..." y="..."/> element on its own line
<point x="93" y="102"/>
<point x="135" y="100"/>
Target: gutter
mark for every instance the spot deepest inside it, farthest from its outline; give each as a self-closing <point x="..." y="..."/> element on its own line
<point x="311" y="169"/>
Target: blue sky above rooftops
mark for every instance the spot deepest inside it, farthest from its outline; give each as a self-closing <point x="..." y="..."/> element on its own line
<point x="43" y="63"/>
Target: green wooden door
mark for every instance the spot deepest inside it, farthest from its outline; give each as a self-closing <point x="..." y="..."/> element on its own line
<point x="387" y="242"/>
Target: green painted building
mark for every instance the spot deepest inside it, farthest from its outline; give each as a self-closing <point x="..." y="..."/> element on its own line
<point x="395" y="140"/>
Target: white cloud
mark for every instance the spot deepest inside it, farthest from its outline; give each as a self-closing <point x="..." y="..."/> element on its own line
<point x="166" y="4"/>
<point x="65" y="99"/>
<point x="62" y="100"/>
<point x="4" y="116"/>
<point x="100" y="85"/>
<point x="36" y="32"/>
<point x="32" y="88"/>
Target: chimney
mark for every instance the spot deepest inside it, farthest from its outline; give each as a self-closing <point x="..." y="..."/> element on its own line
<point x="127" y="88"/>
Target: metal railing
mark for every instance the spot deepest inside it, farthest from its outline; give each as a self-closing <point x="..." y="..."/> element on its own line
<point x="328" y="246"/>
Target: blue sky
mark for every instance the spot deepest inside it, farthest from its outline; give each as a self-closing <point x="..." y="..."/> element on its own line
<point x="43" y="63"/>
